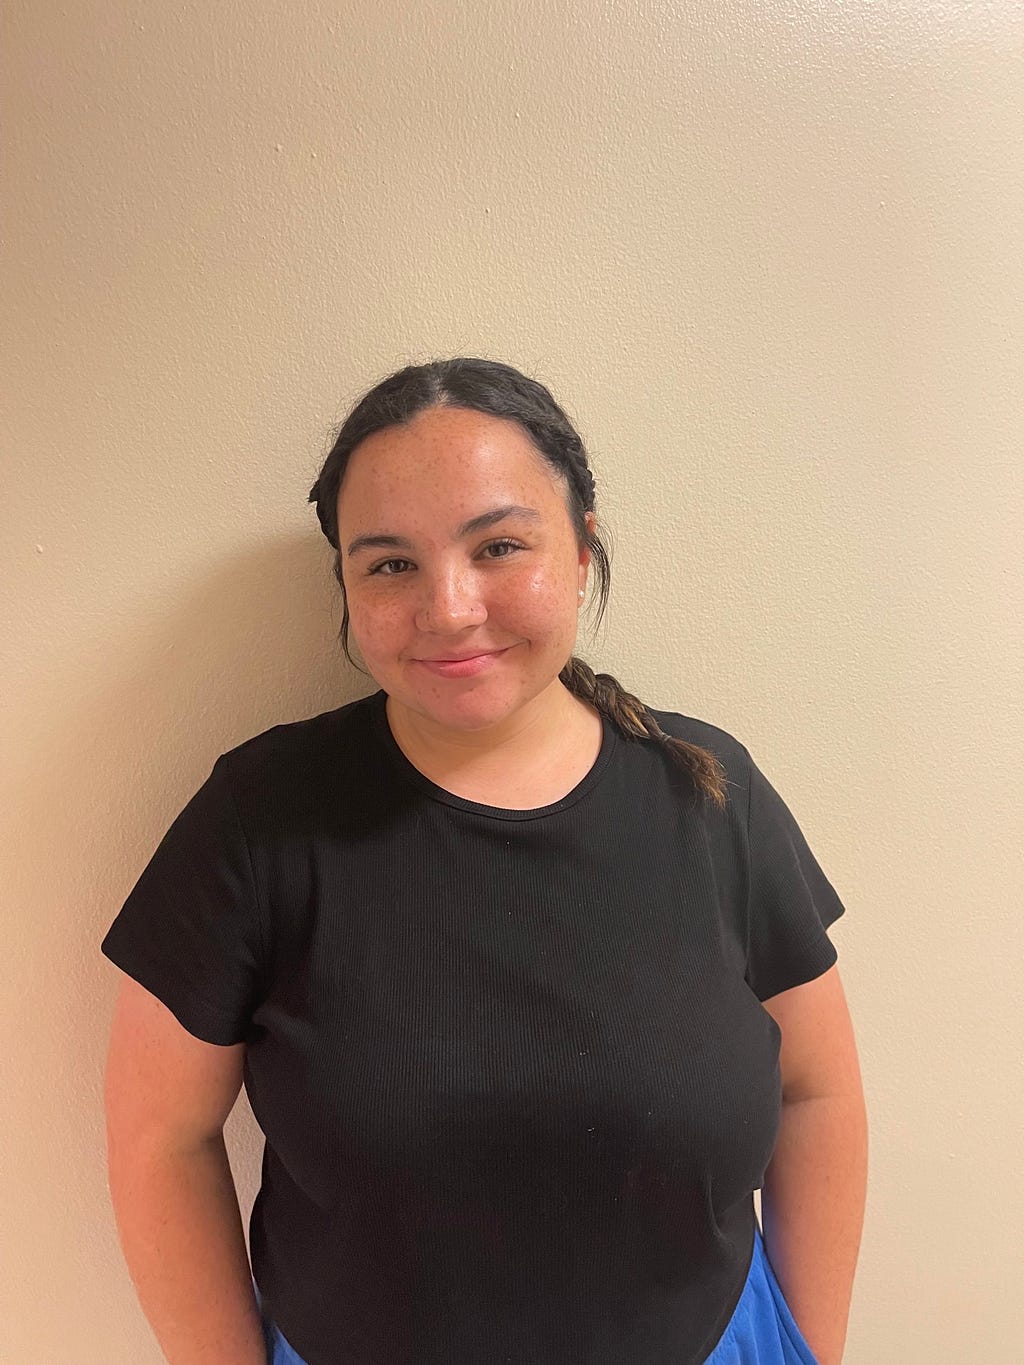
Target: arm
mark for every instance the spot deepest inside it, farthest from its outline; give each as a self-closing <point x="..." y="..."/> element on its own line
<point x="812" y="1204"/>
<point x="167" y="1097"/>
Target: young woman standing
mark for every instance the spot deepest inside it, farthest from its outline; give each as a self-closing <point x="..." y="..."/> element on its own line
<point x="529" y="984"/>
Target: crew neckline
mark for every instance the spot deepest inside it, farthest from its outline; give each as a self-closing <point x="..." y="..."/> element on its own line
<point x="590" y="779"/>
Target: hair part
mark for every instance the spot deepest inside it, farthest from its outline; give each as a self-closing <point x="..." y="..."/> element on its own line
<point x="498" y="390"/>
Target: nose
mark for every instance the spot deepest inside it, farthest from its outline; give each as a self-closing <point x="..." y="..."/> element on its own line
<point x="451" y="601"/>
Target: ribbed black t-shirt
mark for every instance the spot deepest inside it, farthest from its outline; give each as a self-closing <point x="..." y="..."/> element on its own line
<point x="512" y="1067"/>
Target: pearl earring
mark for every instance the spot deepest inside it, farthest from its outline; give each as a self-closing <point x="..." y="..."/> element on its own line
<point x="582" y="593"/>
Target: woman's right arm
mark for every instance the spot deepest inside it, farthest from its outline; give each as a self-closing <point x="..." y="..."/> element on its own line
<point x="167" y="1097"/>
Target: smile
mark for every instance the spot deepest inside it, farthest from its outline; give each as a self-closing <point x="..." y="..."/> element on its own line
<point x="461" y="668"/>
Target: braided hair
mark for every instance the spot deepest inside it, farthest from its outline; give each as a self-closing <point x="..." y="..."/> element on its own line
<point x="498" y="390"/>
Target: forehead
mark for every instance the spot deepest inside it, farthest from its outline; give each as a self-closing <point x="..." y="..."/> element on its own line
<point x="446" y="456"/>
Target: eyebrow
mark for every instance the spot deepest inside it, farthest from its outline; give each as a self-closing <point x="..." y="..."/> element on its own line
<point x="380" y="540"/>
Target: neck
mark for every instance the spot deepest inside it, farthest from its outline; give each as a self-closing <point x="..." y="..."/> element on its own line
<point x="532" y="734"/>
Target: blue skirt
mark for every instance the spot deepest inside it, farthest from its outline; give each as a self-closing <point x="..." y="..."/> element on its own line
<point x="761" y="1331"/>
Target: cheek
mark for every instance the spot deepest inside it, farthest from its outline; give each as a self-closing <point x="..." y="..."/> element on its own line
<point x="544" y="596"/>
<point x="374" y="620"/>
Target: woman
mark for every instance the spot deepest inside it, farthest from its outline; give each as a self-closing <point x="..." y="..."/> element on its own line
<point x="529" y="984"/>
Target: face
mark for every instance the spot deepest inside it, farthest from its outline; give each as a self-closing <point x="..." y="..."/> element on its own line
<point x="461" y="567"/>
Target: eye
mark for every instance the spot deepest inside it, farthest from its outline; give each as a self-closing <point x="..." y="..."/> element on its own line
<point x="506" y="546"/>
<point x="386" y="567"/>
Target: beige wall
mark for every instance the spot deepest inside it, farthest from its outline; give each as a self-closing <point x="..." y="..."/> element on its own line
<point x="770" y="255"/>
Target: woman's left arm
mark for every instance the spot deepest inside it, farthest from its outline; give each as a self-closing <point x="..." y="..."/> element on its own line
<point x="812" y="1204"/>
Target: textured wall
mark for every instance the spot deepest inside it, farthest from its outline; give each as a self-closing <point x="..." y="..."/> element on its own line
<point x="769" y="254"/>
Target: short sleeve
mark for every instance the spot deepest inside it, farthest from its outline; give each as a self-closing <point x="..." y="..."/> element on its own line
<point x="189" y="931"/>
<point x="791" y="902"/>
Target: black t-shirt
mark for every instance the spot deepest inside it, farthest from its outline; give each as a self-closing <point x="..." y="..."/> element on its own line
<point x="512" y="1067"/>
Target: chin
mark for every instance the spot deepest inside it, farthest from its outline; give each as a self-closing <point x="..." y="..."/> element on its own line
<point x="463" y="708"/>
<point x="468" y="713"/>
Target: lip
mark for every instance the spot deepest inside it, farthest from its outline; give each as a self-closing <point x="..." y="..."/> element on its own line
<point x="462" y="666"/>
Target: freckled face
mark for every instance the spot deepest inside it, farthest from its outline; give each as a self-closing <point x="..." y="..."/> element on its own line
<point x="461" y="567"/>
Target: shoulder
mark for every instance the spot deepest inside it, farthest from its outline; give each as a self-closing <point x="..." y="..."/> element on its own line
<point x="302" y="755"/>
<point x="730" y="752"/>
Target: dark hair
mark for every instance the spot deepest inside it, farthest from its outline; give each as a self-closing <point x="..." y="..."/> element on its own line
<point x="500" y="391"/>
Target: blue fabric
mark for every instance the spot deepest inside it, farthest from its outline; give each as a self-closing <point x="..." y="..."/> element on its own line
<point x="761" y="1331"/>
<point x="278" y="1350"/>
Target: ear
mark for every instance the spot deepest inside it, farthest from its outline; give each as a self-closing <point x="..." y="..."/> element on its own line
<point x="591" y="523"/>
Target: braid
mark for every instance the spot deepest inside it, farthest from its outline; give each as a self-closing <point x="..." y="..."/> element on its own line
<point x="579" y="472"/>
<point x="633" y="720"/>
<point x="626" y="711"/>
